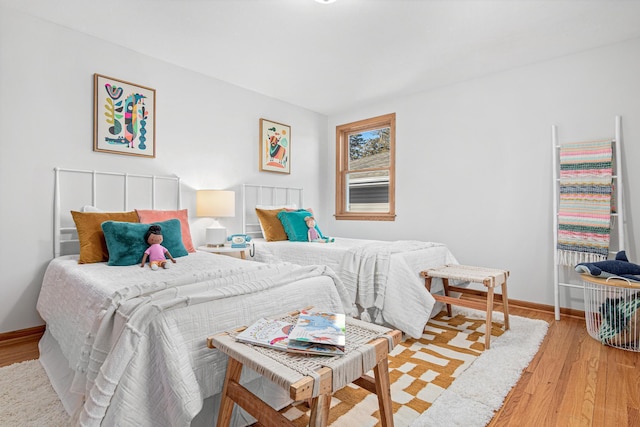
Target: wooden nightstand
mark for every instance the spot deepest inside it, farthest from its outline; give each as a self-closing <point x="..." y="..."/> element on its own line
<point x="225" y="250"/>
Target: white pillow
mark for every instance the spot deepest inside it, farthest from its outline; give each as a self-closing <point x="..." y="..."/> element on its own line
<point x="89" y="208"/>
<point x="270" y="207"/>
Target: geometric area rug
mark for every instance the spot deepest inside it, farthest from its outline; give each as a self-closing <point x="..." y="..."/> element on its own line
<point x="445" y="378"/>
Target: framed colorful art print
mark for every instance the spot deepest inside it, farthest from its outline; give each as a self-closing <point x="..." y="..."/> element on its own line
<point x="124" y="117"/>
<point x="275" y="147"/>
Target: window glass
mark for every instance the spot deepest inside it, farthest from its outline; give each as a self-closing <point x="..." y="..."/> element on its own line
<point x="368" y="191"/>
<point x="369" y="149"/>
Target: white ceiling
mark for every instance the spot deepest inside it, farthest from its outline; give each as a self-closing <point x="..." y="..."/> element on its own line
<point x="329" y="58"/>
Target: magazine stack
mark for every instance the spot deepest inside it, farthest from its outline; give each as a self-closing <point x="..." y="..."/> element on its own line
<point x="315" y="333"/>
<point x="318" y="332"/>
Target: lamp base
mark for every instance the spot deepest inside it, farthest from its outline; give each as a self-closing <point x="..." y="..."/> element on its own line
<point x="216" y="237"/>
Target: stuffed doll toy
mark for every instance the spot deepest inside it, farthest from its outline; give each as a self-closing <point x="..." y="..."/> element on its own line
<point x="156" y="253"/>
<point x="619" y="267"/>
<point x="313" y="234"/>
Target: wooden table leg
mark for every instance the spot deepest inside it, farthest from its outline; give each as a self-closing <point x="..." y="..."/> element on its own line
<point x="383" y="391"/>
<point x="487" y="337"/>
<point x="445" y="285"/>
<point x="427" y="283"/>
<point x="243" y="255"/>
<point x="234" y="369"/>
<point x="505" y="305"/>
<point x="320" y="405"/>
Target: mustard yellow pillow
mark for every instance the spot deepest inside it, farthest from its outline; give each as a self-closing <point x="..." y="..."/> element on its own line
<point x="93" y="247"/>
<point x="272" y="228"/>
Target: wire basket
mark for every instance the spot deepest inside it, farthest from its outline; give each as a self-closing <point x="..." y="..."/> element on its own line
<point x="612" y="311"/>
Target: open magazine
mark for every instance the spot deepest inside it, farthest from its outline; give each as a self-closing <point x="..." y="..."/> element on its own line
<point x="268" y="333"/>
<point x="318" y="332"/>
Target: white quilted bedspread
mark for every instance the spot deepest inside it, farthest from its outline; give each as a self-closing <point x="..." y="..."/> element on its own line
<point x="382" y="277"/>
<point x="136" y="338"/>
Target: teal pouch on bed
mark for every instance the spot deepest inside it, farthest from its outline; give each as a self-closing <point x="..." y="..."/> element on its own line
<point x="126" y="245"/>
<point x="294" y="225"/>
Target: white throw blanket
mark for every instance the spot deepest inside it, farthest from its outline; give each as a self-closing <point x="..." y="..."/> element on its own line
<point x="364" y="271"/>
<point x="137" y="346"/>
<point x="405" y="303"/>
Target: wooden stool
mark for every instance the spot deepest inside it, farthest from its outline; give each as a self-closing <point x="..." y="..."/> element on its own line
<point x="303" y="387"/>
<point x="489" y="277"/>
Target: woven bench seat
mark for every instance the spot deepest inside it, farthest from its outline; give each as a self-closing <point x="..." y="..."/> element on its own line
<point x="489" y="277"/>
<point x="308" y="377"/>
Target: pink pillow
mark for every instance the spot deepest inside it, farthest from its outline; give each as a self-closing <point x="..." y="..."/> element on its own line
<point x="149" y="216"/>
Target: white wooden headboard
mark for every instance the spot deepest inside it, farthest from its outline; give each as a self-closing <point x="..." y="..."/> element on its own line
<point x="108" y="191"/>
<point x="259" y="194"/>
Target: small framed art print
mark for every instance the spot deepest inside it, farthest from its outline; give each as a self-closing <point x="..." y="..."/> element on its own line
<point x="124" y="117"/>
<point x="275" y="147"/>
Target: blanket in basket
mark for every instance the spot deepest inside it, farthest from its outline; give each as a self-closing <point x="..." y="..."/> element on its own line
<point x="584" y="214"/>
<point x="619" y="317"/>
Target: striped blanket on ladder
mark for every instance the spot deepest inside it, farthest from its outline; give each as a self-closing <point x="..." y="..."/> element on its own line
<point x="584" y="214"/>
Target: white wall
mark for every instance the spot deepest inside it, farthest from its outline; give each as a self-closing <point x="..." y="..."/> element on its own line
<point x="473" y="159"/>
<point x="206" y="132"/>
<point x="474" y="166"/>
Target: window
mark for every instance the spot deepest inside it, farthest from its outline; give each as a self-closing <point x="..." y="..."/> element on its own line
<point x="365" y="169"/>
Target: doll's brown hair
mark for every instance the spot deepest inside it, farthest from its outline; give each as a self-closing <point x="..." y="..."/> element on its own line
<point x="154" y="229"/>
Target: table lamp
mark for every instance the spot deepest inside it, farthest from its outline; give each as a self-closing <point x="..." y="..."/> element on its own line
<point x="215" y="204"/>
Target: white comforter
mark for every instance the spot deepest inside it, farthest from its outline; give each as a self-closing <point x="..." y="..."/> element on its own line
<point x="136" y="338"/>
<point x="383" y="278"/>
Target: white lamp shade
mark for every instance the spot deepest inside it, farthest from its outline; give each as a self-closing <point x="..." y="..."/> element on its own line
<point x="215" y="203"/>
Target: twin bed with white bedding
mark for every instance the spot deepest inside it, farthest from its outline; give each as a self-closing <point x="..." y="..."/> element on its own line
<point x="133" y="341"/>
<point x="382" y="277"/>
<point x="126" y="345"/>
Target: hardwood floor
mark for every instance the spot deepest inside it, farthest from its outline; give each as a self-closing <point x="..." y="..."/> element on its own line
<point x="19" y="349"/>
<point x="572" y="381"/>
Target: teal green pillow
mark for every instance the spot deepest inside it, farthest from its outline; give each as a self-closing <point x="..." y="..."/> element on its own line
<point x="126" y="245"/>
<point x="294" y="225"/>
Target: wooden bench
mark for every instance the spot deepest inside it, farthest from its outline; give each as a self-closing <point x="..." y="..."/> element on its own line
<point x="489" y="277"/>
<point x="304" y="387"/>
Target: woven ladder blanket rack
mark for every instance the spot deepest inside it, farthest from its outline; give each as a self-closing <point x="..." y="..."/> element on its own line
<point x="588" y="209"/>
